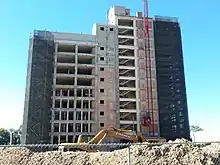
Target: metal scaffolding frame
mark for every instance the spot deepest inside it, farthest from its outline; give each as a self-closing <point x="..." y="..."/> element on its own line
<point x="37" y="115"/>
<point x="172" y="102"/>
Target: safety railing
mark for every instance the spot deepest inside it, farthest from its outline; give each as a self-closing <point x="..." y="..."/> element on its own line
<point x="169" y="153"/>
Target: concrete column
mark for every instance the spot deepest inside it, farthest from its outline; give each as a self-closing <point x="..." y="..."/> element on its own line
<point x="137" y="75"/>
<point x="59" y="139"/>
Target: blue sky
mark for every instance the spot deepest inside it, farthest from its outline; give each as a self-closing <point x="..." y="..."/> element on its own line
<point x="200" y="25"/>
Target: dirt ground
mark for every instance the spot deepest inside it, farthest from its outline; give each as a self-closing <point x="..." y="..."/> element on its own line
<point x="171" y="153"/>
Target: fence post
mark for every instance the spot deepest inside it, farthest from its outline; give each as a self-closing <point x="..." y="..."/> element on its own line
<point x="129" y="156"/>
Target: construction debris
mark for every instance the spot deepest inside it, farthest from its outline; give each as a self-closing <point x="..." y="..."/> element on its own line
<point x="179" y="152"/>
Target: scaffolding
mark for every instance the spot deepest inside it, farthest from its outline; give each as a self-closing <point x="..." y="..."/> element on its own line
<point x="36" y="125"/>
<point x="172" y="102"/>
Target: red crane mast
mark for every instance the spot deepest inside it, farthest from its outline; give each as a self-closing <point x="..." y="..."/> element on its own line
<point x="148" y="62"/>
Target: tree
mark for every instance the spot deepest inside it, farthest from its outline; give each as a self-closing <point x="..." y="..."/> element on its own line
<point x="4" y="136"/>
<point x="195" y="128"/>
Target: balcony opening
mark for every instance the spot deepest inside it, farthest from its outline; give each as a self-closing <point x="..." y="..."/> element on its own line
<point x="64" y="104"/>
<point x="63" y="115"/>
<point x="84" y="82"/>
<point x="129" y="127"/>
<point x="70" y="139"/>
<point x="71" y="92"/>
<point x="66" y="48"/>
<point x="78" y="127"/>
<point x="63" y="139"/>
<point x="127" y="72"/>
<point x="128" y="116"/>
<point x="123" y="22"/>
<point x="85" y="127"/>
<point x="71" y="115"/>
<point x="78" y="116"/>
<point x="64" y="92"/>
<point x="127" y="94"/>
<point x="63" y="127"/>
<point x="78" y="104"/>
<point x="65" y="59"/>
<point x="85" y="104"/>
<point x="55" y="140"/>
<point x="65" y="81"/>
<point x="92" y="104"/>
<point x="71" y="103"/>
<point x="63" y="70"/>
<point x="85" y="116"/>
<point x="127" y="105"/>
<point x="126" y="41"/>
<point x="126" y="52"/>
<point x="86" y="59"/>
<point x="126" y="62"/>
<point x="92" y="116"/>
<point x="57" y="115"/>
<point x="70" y="127"/>
<point x="84" y="71"/>
<point x="125" y="32"/>
<point x="85" y="49"/>
<point x="57" y="103"/>
<point x="56" y="127"/>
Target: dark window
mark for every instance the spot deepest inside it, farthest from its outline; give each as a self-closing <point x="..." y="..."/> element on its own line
<point x="101" y="48"/>
<point x="102" y="113"/>
<point x="102" y="90"/>
<point x="102" y="124"/>
<point x="102" y="101"/>
<point x="102" y="69"/>
<point x="111" y="29"/>
<point x="102" y="58"/>
<point x="102" y="28"/>
<point x="102" y="79"/>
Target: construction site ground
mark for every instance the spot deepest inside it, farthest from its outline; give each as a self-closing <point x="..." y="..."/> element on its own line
<point x="171" y="153"/>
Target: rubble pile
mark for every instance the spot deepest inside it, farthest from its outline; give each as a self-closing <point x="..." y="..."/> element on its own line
<point x="179" y="152"/>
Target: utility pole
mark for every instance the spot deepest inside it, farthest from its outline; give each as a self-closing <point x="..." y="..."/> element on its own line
<point x="11" y="137"/>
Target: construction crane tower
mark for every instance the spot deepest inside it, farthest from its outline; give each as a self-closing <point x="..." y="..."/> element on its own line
<point x="147" y="24"/>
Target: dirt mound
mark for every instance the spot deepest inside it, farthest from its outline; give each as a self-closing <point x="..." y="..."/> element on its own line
<point x="172" y="153"/>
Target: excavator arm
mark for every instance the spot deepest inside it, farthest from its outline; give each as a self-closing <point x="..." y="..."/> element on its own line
<point x="104" y="134"/>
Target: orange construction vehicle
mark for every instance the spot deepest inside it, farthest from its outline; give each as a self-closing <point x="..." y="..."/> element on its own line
<point x="104" y="134"/>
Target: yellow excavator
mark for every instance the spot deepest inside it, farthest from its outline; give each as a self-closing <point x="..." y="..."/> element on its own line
<point x="104" y="134"/>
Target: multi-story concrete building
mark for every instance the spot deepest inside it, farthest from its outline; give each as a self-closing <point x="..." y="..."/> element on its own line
<point x="137" y="96"/>
<point x="78" y="83"/>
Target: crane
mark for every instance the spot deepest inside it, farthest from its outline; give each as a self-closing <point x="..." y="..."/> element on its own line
<point x="148" y="63"/>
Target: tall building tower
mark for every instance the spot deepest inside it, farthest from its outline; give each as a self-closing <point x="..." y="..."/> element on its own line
<point x="71" y="87"/>
<point x="137" y="85"/>
<point x="78" y="84"/>
<point x="168" y="93"/>
<point x="172" y="102"/>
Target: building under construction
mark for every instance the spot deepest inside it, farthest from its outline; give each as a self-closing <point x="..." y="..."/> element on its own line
<point x="78" y="84"/>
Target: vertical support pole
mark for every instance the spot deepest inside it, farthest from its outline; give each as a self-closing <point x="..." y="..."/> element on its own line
<point x="129" y="156"/>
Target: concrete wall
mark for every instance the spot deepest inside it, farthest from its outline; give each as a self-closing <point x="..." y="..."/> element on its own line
<point x="107" y="49"/>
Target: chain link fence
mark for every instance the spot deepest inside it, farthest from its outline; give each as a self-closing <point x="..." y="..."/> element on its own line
<point x="181" y="153"/>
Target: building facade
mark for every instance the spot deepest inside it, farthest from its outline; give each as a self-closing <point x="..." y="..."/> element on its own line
<point x="78" y="84"/>
<point x="172" y="102"/>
